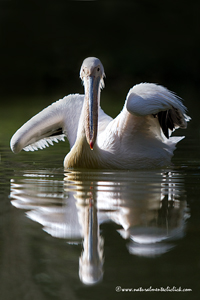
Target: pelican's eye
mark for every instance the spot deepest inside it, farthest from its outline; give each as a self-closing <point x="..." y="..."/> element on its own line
<point x="98" y="69"/>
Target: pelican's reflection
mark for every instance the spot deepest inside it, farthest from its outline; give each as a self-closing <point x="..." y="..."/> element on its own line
<point x="91" y="260"/>
<point x="150" y="207"/>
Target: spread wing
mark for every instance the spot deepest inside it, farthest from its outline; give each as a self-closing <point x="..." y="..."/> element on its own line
<point x="152" y="99"/>
<point x="53" y="124"/>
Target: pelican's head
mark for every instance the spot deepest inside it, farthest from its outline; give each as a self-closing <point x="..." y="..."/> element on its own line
<point x="92" y="73"/>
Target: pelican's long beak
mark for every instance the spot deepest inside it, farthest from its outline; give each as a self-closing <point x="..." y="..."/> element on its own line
<point x="92" y="105"/>
<point x="92" y="73"/>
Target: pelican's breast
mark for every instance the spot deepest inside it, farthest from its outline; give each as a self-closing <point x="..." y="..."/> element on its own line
<point x="81" y="156"/>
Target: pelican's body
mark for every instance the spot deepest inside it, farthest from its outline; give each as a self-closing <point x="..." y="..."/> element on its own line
<point x="139" y="137"/>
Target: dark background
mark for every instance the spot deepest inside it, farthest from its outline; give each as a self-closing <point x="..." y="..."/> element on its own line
<point x="43" y="44"/>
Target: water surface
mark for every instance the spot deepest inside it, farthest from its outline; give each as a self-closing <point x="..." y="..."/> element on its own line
<point x="81" y="234"/>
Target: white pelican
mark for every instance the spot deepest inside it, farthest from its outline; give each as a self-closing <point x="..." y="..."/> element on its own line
<point x="139" y="137"/>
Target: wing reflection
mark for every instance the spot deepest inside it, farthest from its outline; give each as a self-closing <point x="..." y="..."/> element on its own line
<point x="150" y="207"/>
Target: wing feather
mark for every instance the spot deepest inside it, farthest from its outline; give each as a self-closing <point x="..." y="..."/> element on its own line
<point x="53" y="124"/>
<point x="152" y="99"/>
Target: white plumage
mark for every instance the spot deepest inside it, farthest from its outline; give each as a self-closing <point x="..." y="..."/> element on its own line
<point x="139" y="137"/>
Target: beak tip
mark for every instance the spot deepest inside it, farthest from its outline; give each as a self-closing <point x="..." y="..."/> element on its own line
<point x="91" y="145"/>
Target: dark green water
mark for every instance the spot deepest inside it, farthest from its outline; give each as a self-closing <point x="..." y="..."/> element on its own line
<point x="128" y="229"/>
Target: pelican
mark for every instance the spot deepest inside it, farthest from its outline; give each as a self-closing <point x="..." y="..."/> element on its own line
<point x="139" y="137"/>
